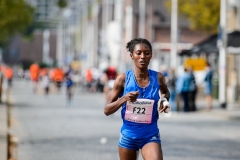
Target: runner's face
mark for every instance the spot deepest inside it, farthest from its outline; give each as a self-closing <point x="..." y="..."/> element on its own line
<point x="141" y="55"/>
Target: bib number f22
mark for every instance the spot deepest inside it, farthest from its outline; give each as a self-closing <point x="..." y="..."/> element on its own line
<point x="139" y="110"/>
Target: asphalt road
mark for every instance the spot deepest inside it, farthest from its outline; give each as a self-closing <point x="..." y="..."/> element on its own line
<point x="49" y="130"/>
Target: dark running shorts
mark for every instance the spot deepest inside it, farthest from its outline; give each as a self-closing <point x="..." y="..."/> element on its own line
<point x="136" y="144"/>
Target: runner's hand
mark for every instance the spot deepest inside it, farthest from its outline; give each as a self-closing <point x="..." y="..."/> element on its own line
<point x="132" y="96"/>
<point x="163" y="108"/>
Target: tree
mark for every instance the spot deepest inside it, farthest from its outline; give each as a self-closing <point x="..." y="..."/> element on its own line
<point x="15" y="16"/>
<point x="203" y="15"/>
<point x="62" y="3"/>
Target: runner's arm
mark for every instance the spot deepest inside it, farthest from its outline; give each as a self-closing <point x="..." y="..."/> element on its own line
<point x="113" y="102"/>
<point x="164" y="94"/>
<point x="163" y="87"/>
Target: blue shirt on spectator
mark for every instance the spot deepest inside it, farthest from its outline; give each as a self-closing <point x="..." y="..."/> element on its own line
<point x="183" y="83"/>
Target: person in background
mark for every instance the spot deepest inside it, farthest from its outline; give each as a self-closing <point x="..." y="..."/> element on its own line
<point x="1" y="83"/>
<point x="69" y="85"/>
<point x="76" y="78"/>
<point x="34" y="75"/>
<point x="183" y="88"/>
<point x="101" y="82"/>
<point x="164" y="71"/>
<point x="20" y="73"/>
<point x="58" y="77"/>
<point x="171" y="84"/>
<point x="193" y="91"/>
<point x="208" y="86"/>
<point x="110" y="74"/>
<point x="45" y="81"/>
<point x="89" y="80"/>
<point x="9" y="76"/>
<point x="96" y="74"/>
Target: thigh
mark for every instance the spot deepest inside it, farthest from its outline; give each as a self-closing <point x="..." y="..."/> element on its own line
<point x="127" y="154"/>
<point x="152" y="151"/>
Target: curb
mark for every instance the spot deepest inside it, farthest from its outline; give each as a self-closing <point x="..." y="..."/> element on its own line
<point x="3" y="132"/>
<point x="229" y="114"/>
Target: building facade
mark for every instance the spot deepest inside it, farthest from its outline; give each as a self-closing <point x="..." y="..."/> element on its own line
<point x="233" y="58"/>
<point x="62" y="24"/>
<point x="157" y="29"/>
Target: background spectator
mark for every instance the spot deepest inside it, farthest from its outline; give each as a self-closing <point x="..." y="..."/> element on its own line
<point x="208" y="86"/>
<point x="171" y="84"/>
<point x="193" y="91"/>
<point x="183" y="88"/>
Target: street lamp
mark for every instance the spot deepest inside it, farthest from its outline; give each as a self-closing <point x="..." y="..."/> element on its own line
<point x="222" y="54"/>
<point x="142" y="13"/>
<point x="46" y="35"/>
<point x="174" y="33"/>
<point x="60" y="37"/>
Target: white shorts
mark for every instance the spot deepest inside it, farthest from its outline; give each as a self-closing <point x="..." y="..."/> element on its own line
<point x="110" y="84"/>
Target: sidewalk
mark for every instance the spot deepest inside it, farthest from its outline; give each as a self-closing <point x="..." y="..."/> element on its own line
<point x="3" y="132"/>
<point x="232" y="112"/>
<point x="3" y="127"/>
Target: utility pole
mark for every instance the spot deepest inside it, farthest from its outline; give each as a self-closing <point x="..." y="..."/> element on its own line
<point x="142" y="13"/>
<point x="105" y="16"/>
<point x="128" y="31"/>
<point x="95" y="34"/>
<point x="46" y="35"/>
<point x="238" y="15"/>
<point x="118" y="18"/>
<point x="66" y="14"/>
<point x="60" y="43"/>
<point x="129" y="23"/>
<point x="84" y="29"/>
<point x="222" y="54"/>
<point x="150" y="23"/>
<point x="0" y="56"/>
<point x="174" y="33"/>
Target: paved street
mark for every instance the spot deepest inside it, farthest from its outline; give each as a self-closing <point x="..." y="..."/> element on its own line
<point x="49" y="130"/>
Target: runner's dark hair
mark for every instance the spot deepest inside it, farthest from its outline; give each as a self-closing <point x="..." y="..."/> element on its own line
<point x="131" y="44"/>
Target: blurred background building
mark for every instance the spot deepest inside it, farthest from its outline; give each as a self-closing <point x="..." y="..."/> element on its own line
<point x="76" y="23"/>
<point x="233" y="53"/>
<point x="94" y="33"/>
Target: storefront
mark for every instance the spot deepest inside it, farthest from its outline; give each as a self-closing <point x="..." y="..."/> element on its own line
<point x="208" y="49"/>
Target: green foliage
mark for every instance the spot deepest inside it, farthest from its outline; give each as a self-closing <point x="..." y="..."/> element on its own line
<point x="15" y="16"/>
<point x="43" y="65"/>
<point x="28" y="32"/>
<point x="203" y="15"/>
<point x="26" y="64"/>
<point x="54" y="64"/>
<point x="62" y="3"/>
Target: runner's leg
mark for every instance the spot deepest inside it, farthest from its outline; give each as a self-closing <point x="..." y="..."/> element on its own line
<point x="127" y="154"/>
<point x="152" y="151"/>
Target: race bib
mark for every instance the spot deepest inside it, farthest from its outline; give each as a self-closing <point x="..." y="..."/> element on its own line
<point x="139" y="111"/>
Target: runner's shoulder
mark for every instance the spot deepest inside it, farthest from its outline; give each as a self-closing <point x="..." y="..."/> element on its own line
<point x="161" y="78"/>
<point x="121" y="78"/>
<point x="160" y="75"/>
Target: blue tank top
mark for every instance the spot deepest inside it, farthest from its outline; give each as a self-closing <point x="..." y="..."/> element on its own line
<point x="141" y="130"/>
